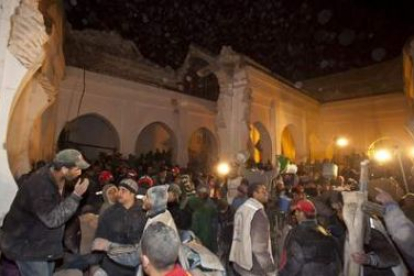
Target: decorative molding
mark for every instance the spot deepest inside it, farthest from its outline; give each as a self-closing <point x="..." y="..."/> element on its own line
<point x="28" y="35"/>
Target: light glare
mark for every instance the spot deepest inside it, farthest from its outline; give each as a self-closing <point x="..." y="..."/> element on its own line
<point x="412" y="152"/>
<point x="223" y="168"/>
<point x="382" y="155"/>
<point x="342" y="142"/>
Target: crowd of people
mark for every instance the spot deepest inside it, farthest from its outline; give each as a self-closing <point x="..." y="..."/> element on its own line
<point x="144" y="216"/>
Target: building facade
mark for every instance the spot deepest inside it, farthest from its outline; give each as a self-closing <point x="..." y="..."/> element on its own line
<point x="102" y="95"/>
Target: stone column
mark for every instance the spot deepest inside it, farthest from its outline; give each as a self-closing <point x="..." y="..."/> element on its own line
<point x="11" y="75"/>
<point x="272" y="130"/>
<point x="181" y="114"/>
<point x="233" y="105"/>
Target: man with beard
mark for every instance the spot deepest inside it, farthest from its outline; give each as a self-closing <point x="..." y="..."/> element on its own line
<point x="33" y="229"/>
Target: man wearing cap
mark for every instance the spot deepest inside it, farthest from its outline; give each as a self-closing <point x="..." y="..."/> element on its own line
<point x="251" y="251"/>
<point x="122" y="223"/>
<point x="33" y="229"/>
<point x="126" y="254"/>
<point x="309" y="249"/>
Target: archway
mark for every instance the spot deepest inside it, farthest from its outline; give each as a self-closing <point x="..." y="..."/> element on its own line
<point x="198" y="84"/>
<point x="261" y="143"/>
<point x="157" y="137"/>
<point x="91" y="134"/>
<point x="202" y="150"/>
<point x="288" y="143"/>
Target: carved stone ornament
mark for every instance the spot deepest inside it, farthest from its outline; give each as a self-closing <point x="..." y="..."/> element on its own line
<point x="28" y="34"/>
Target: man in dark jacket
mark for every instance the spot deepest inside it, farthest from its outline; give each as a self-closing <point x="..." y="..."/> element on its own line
<point x="182" y="217"/>
<point x="33" y="229"/>
<point x="309" y="249"/>
<point x="122" y="223"/>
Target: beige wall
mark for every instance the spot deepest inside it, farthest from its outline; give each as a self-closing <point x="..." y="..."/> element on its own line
<point x="365" y="120"/>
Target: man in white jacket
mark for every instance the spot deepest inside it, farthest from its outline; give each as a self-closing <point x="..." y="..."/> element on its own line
<point x="251" y="249"/>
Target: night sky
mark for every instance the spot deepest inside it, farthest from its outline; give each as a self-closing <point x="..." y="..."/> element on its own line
<point x="296" y="39"/>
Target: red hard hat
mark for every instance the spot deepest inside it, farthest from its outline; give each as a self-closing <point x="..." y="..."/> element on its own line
<point x="105" y="176"/>
<point x="145" y="181"/>
<point x="305" y="206"/>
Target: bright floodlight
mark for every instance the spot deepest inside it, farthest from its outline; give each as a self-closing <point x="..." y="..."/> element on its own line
<point x="412" y="152"/>
<point x="223" y="168"/>
<point x="342" y="142"/>
<point x="382" y="155"/>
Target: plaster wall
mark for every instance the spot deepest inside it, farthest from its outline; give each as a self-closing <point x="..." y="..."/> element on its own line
<point x="131" y="106"/>
<point x="365" y="120"/>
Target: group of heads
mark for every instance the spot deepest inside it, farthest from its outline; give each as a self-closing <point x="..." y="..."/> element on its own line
<point x="303" y="209"/>
<point x="155" y="197"/>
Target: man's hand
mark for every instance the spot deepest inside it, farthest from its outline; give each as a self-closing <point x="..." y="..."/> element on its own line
<point x="383" y="197"/>
<point x="100" y="244"/>
<point x="360" y="258"/>
<point x="81" y="187"/>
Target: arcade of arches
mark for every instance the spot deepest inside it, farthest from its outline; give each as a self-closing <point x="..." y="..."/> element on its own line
<point x="288" y="144"/>
<point x="261" y="144"/>
<point x="156" y="137"/>
<point x="236" y="104"/>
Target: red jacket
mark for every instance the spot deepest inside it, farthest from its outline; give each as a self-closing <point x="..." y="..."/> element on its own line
<point x="178" y="271"/>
